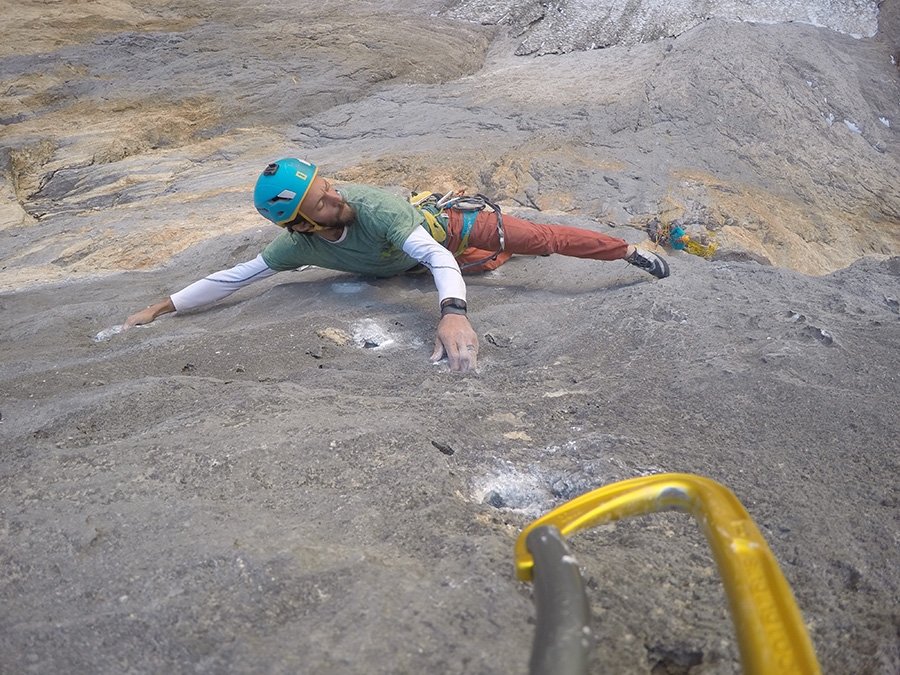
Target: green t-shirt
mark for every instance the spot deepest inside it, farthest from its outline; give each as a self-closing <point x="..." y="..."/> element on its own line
<point x="372" y="244"/>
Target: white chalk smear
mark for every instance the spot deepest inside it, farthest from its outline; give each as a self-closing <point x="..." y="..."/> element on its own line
<point x="104" y="335"/>
<point x="348" y="287"/>
<point x="370" y="334"/>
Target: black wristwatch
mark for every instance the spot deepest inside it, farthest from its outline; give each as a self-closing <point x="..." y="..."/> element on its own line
<point x="453" y="306"/>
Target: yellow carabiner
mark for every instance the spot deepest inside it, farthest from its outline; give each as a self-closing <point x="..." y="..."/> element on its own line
<point x="770" y="631"/>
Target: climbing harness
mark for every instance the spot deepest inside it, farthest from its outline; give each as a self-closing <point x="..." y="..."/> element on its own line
<point x="770" y="631"/>
<point x="432" y="205"/>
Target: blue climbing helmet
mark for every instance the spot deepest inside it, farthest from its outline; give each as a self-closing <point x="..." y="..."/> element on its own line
<point x="280" y="189"/>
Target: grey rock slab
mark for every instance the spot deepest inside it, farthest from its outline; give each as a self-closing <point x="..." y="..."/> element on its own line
<point x="572" y="25"/>
<point x="240" y="489"/>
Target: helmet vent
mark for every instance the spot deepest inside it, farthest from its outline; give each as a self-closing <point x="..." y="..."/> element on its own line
<point x="270" y="170"/>
<point x="283" y="196"/>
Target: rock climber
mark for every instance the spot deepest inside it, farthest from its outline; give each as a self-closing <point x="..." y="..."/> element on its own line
<point x="367" y="230"/>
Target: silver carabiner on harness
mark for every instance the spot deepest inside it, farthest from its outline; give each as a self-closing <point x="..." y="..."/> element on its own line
<point x="470" y="205"/>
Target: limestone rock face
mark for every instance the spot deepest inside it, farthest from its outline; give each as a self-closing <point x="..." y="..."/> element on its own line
<point x="283" y="483"/>
<point x="568" y="25"/>
<point x="776" y="140"/>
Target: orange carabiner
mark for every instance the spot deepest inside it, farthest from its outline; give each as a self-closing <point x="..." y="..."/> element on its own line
<point x="770" y="631"/>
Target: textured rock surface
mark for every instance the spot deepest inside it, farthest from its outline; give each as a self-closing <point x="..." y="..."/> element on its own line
<point x="282" y="483"/>
<point x="567" y="25"/>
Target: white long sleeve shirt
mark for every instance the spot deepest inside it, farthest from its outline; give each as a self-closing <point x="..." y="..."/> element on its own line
<point x="419" y="245"/>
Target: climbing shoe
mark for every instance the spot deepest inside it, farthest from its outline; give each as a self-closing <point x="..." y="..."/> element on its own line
<point x="649" y="262"/>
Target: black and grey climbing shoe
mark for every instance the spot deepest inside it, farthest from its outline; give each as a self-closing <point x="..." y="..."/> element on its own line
<point x="649" y="262"/>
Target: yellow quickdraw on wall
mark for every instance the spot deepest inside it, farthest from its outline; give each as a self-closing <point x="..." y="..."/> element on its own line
<point x="770" y="631"/>
<point x="664" y="233"/>
<point x="664" y="230"/>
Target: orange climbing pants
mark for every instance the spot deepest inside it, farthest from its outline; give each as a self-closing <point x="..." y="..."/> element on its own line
<point x="526" y="238"/>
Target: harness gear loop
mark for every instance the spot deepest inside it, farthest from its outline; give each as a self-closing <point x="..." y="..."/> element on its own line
<point x="433" y="205"/>
<point x="500" y="233"/>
